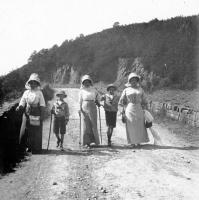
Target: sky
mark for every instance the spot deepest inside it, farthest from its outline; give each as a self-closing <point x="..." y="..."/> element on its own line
<point x="28" y="25"/>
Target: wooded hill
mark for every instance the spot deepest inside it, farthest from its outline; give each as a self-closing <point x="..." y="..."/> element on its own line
<point x="168" y="48"/>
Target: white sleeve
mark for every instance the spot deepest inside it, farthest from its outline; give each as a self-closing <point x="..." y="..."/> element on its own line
<point x="80" y="96"/>
<point x="123" y="99"/>
<point x="23" y="99"/>
<point x="41" y="99"/>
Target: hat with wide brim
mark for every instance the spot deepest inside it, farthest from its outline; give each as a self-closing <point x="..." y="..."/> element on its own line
<point x="132" y="75"/>
<point x="86" y="77"/>
<point x="61" y="93"/>
<point x="34" y="77"/>
<point x="111" y="86"/>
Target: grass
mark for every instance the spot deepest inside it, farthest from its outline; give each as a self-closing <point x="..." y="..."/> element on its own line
<point x="189" y="98"/>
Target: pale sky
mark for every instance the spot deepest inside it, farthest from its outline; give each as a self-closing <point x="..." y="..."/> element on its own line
<point x="28" y="25"/>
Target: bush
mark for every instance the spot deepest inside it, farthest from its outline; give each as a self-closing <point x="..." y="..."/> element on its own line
<point x="48" y="92"/>
<point x="164" y="82"/>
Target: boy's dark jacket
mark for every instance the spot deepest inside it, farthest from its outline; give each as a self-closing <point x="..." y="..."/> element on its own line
<point x="60" y="109"/>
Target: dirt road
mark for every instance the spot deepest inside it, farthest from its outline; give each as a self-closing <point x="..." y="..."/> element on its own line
<point x="169" y="171"/>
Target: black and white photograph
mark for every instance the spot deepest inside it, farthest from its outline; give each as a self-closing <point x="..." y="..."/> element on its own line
<point x="99" y="100"/>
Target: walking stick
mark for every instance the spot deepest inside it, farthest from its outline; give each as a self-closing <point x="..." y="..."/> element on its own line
<point x="100" y="125"/>
<point x="49" y="130"/>
<point x="80" y="127"/>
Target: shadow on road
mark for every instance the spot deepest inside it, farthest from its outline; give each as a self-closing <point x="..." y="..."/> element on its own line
<point x="104" y="150"/>
<point x="80" y="152"/>
<point x="155" y="147"/>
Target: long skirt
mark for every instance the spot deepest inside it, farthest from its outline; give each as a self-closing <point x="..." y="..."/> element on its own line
<point x="90" y="132"/>
<point x="33" y="134"/>
<point x="35" y="137"/>
<point x="135" y="128"/>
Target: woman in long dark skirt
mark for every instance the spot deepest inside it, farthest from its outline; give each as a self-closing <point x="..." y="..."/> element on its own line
<point x="33" y="102"/>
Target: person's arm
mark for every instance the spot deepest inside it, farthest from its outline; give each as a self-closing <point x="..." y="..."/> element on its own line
<point x="67" y="114"/>
<point x="42" y="109"/>
<point x="115" y="102"/>
<point x="80" y="101"/>
<point x="122" y="102"/>
<point x="53" y="110"/>
<point x="144" y="101"/>
<point x="103" y="99"/>
<point x="97" y="99"/>
<point x="42" y="104"/>
<point x="22" y="102"/>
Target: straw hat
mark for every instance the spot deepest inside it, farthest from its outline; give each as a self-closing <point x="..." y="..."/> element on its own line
<point x="62" y="92"/>
<point x="33" y="77"/>
<point x="86" y="77"/>
<point x="111" y="86"/>
<point x="132" y="75"/>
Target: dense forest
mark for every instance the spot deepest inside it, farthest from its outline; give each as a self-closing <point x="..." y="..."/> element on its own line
<point x="168" y="49"/>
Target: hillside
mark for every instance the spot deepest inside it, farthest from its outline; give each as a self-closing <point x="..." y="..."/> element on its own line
<point x="166" y="50"/>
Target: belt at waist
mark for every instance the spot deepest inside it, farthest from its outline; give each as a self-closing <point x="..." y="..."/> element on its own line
<point x="88" y="100"/>
<point x="34" y="105"/>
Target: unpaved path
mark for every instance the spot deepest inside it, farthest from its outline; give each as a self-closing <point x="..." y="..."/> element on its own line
<point x="169" y="171"/>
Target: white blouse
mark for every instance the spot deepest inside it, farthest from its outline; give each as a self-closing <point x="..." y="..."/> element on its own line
<point x="32" y="97"/>
<point x="132" y="95"/>
<point x="88" y="94"/>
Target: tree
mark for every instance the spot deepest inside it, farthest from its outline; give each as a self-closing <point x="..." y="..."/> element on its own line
<point x="32" y="56"/>
<point x="116" y="24"/>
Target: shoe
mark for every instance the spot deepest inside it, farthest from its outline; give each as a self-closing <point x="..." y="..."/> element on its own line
<point x="92" y="144"/>
<point x="132" y="145"/>
<point x="58" y="142"/>
<point x="29" y="150"/>
<point x="87" y="146"/>
<point x="61" y="147"/>
<point x="109" y="143"/>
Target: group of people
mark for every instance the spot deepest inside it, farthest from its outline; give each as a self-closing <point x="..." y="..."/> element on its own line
<point x="130" y="105"/>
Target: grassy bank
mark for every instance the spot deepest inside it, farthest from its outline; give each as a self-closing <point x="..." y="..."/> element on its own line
<point x="188" y="98"/>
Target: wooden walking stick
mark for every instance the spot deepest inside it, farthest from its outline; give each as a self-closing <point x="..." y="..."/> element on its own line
<point x="49" y="130"/>
<point x="80" y="127"/>
<point x="100" y="124"/>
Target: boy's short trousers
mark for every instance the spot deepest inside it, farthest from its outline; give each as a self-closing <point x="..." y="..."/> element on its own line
<point x="111" y="118"/>
<point x="59" y="125"/>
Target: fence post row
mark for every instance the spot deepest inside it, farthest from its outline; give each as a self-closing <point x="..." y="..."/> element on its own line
<point x="176" y="111"/>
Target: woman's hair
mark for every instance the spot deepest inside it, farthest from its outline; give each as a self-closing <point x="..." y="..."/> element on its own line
<point x="88" y="81"/>
<point x="33" y="81"/>
<point x="136" y="78"/>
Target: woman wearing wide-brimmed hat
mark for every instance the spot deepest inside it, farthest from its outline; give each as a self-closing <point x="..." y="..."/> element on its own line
<point x="110" y="103"/>
<point x="88" y="99"/>
<point x="34" y="103"/>
<point x="132" y="102"/>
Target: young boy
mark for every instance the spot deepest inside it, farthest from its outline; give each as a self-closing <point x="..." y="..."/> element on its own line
<point x="111" y="107"/>
<point x="61" y="117"/>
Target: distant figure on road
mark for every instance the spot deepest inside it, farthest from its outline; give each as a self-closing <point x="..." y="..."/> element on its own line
<point x="61" y="117"/>
<point x="88" y="99"/>
<point x="110" y="103"/>
<point x="132" y="102"/>
<point x="33" y="102"/>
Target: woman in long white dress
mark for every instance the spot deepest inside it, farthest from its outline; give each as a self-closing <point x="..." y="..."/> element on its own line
<point x="132" y="102"/>
<point x="88" y="99"/>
